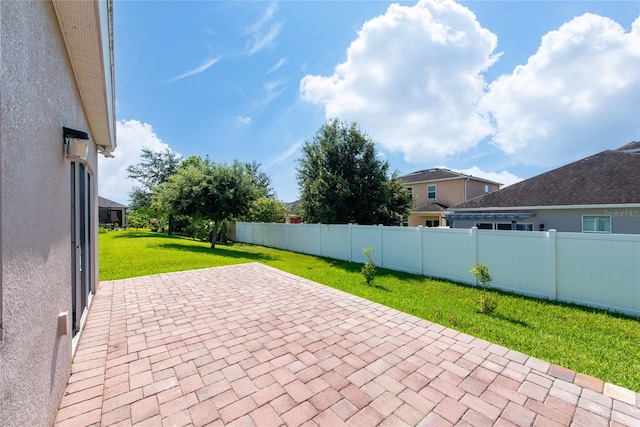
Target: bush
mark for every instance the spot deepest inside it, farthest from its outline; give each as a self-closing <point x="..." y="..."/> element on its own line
<point x="487" y="303"/>
<point x="369" y="269"/>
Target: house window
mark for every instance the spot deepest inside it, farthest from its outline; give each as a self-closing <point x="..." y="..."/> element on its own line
<point x="410" y="190"/>
<point x="596" y="224"/>
<point x="431" y="191"/>
<point x="405" y="221"/>
<point x="484" y="225"/>
<point x="503" y="226"/>
<point x="486" y="189"/>
<point x="432" y="223"/>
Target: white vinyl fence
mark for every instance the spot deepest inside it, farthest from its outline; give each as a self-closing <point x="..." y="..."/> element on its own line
<point x="600" y="270"/>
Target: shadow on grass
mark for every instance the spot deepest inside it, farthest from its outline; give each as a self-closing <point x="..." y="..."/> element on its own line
<point x="218" y="251"/>
<point x="145" y="234"/>
<point x="511" y="320"/>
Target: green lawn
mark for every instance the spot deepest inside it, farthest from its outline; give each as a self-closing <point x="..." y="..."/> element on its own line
<point x="594" y="342"/>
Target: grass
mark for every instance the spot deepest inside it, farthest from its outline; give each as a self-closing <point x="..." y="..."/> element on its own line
<point x="590" y="341"/>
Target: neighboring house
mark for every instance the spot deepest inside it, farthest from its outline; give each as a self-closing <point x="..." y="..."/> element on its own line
<point x="110" y="212"/>
<point x="435" y="190"/>
<point x="598" y="194"/>
<point x="56" y="115"/>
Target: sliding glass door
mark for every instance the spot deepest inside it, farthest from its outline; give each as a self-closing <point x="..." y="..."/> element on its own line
<point x="81" y="243"/>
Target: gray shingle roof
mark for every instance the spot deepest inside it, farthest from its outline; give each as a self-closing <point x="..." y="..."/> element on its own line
<point x="106" y="203"/>
<point x="438" y="174"/>
<point x="430" y="207"/>
<point x="609" y="177"/>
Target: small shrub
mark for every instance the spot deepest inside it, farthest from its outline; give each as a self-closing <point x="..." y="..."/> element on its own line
<point x="487" y="303"/>
<point x="155" y="224"/>
<point x="369" y="268"/>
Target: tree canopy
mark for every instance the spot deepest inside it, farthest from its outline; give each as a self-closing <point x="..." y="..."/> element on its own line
<point x="153" y="169"/>
<point x="342" y="180"/>
<point x="204" y="190"/>
<point x="266" y="209"/>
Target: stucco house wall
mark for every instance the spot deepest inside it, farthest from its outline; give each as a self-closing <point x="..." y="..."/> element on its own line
<point x="476" y="188"/>
<point x="452" y="188"/>
<point x="38" y="97"/>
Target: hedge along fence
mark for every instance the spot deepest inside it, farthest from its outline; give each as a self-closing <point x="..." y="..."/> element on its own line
<point x="600" y="270"/>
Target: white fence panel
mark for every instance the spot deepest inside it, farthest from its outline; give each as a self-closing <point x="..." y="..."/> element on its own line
<point x="305" y="238"/>
<point x="247" y="231"/>
<point x="366" y="236"/>
<point x="269" y="235"/>
<point x="259" y="234"/>
<point x="600" y="270"/>
<point x="402" y="249"/>
<point x="241" y="235"/>
<point x="448" y="253"/>
<point x="518" y="260"/>
<point x="280" y="236"/>
<point x="591" y="269"/>
<point x="336" y="241"/>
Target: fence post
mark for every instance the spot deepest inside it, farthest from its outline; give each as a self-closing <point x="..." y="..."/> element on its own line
<point x="381" y="247"/>
<point x="553" y="265"/>
<point x="350" y="242"/>
<point x="474" y="241"/>
<point x="286" y="236"/>
<point x="420" y="229"/>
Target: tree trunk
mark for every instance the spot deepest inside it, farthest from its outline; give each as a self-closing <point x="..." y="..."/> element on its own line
<point x="214" y="234"/>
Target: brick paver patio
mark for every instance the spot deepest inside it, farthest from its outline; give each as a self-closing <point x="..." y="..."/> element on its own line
<point x="250" y="345"/>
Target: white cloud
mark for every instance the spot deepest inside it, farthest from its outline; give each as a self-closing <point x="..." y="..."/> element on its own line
<point x="263" y="33"/>
<point x="284" y="155"/>
<point x="243" y="120"/>
<point x="277" y="66"/>
<point x="578" y="94"/>
<point x="132" y="136"/>
<point x="272" y="90"/>
<point x="412" y="80"/>
<point x="202" y="67"/>
<point x="505" y="178"/>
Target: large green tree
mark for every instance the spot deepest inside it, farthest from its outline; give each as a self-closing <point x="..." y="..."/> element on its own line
<point x="266" y="210"/>
<point x="342" y="180"/>
<point x="154" y="168"/>
<point x="204" y="190"/>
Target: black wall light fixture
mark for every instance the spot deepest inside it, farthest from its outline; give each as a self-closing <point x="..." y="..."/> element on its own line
<point x="76" y="144"/>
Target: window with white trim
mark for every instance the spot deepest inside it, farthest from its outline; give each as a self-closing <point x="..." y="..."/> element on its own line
<point x="596" y="223"/>
<point x="431" y="192"/>
<point x="410" y="190"/>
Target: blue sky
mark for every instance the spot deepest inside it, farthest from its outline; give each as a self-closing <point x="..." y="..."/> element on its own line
<point x="499" y="89"/>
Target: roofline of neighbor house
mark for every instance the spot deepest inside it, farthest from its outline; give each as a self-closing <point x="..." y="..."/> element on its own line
<point x="511" y="208"/>
<point x="462" y="176"/>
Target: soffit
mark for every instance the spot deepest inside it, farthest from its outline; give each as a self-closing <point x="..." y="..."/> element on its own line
<point x="81" y="26"/>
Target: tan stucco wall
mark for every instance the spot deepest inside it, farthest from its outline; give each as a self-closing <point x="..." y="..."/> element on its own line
<point x="416" y="220"/>
<point x="448" y="193"/>
<point x="38" y="96"/>
<point x="476" y="189"/>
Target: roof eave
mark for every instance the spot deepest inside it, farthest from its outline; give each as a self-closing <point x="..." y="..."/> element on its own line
<point x="87" y="30"/>
<point x="461" y="177"/>
<point x="511" y="208"/>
